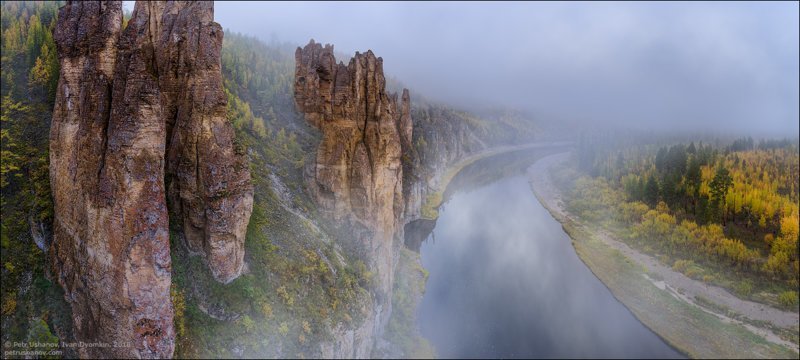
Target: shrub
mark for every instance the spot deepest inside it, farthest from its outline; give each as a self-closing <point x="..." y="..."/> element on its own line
<point x="266" y="309"/>
<point x="179" y="307"/>
<point x="743" y="288"/>
<point x="284" y="328"/>
<point x="287" y="298"/>
<point x="788" y="298"/>
<point x="693" y="272"/>
<point x="769" y="238"/>
<point x="632" y="212"/>
<point x="10" y="304"/>
<point x="247" y="323"/>
<point x="682" y="265"/>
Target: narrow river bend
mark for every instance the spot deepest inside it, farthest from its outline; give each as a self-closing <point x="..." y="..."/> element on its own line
<point x="505" y="281"/>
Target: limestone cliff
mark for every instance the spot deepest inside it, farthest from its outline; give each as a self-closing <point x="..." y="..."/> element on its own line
<point x="132" y="108"/>
<point x="357" y="175"/>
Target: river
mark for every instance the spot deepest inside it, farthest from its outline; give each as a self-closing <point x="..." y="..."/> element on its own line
<point x="505" y="280"/>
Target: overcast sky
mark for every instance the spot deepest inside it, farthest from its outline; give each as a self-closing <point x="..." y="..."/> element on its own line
<point x="708" y="66"/>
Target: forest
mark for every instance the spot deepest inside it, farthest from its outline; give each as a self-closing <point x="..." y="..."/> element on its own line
<point x="723" y="211"/>
<point x="32" y="307"/>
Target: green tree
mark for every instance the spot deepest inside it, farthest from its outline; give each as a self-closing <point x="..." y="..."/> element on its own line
<point x="661" y="159"/>
<point x="676" y="161"/>
<point x="693" y="176"/>
<point x="718" y="188"/>
<point x="669" y="190"/>
<point x="651" y="191"/>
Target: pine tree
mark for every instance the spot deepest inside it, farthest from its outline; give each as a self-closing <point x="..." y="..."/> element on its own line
<point x="651" y="191"/>
<point x="719" y="188"/>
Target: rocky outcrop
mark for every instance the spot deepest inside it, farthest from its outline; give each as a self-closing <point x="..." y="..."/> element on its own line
<point x="208" y="181"/>
<point x="357" y="175"/>
<point x="132" y="109"/>
<point x="111" y="242"/>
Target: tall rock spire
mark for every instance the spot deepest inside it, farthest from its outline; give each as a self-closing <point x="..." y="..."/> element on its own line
<point x="357" y="176"/>
<point x="134" y="107"/>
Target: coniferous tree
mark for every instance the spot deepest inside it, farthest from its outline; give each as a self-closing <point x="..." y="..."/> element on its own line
<point x="651" y="191"/>
<point x="718" y="189"/>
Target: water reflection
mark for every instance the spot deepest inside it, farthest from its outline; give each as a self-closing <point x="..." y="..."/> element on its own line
<point x="480" y="173"/>
<point x="506" y="282"/>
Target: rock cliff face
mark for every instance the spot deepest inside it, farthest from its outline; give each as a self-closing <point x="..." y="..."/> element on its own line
<point x="357" y="176"/>
<point x="444" y="136"/>
<point x="132" y="109"/>
<point x="208" y="182"/>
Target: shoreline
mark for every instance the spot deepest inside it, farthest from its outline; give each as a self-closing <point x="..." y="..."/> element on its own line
<point x="663" y="299"/>
<point x="431" y="203"/>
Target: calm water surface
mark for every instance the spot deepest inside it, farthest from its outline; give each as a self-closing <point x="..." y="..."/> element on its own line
<point x="506" y="282"/>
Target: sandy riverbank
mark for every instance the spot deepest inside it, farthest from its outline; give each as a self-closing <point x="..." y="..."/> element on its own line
<point x="666" y="300"/>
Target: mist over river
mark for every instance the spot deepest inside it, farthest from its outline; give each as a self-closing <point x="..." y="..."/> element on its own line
<point x="505" y="281"/>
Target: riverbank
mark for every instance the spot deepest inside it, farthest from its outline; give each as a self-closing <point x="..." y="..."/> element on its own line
<point x="434" y="199"/>
<point x="698" y="319"/>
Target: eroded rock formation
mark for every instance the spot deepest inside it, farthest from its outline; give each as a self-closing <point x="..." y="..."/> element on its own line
<point x="357" y="178"/>
<point x="132" y="109"/>
<point x="208" y="182"/>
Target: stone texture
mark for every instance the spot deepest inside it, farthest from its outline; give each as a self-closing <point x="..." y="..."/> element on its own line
<point x="129" y="106"/>
<point x="208" y="182"/>
<point x="357" y="176"/>
<point x="111" y="244"/>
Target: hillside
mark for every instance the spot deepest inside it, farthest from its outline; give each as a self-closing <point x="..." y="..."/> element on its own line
<point x="301" y="289"/>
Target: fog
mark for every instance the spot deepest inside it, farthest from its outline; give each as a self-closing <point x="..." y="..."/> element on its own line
<point x="729" y="67"/>
<point x="505" y="281"/>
